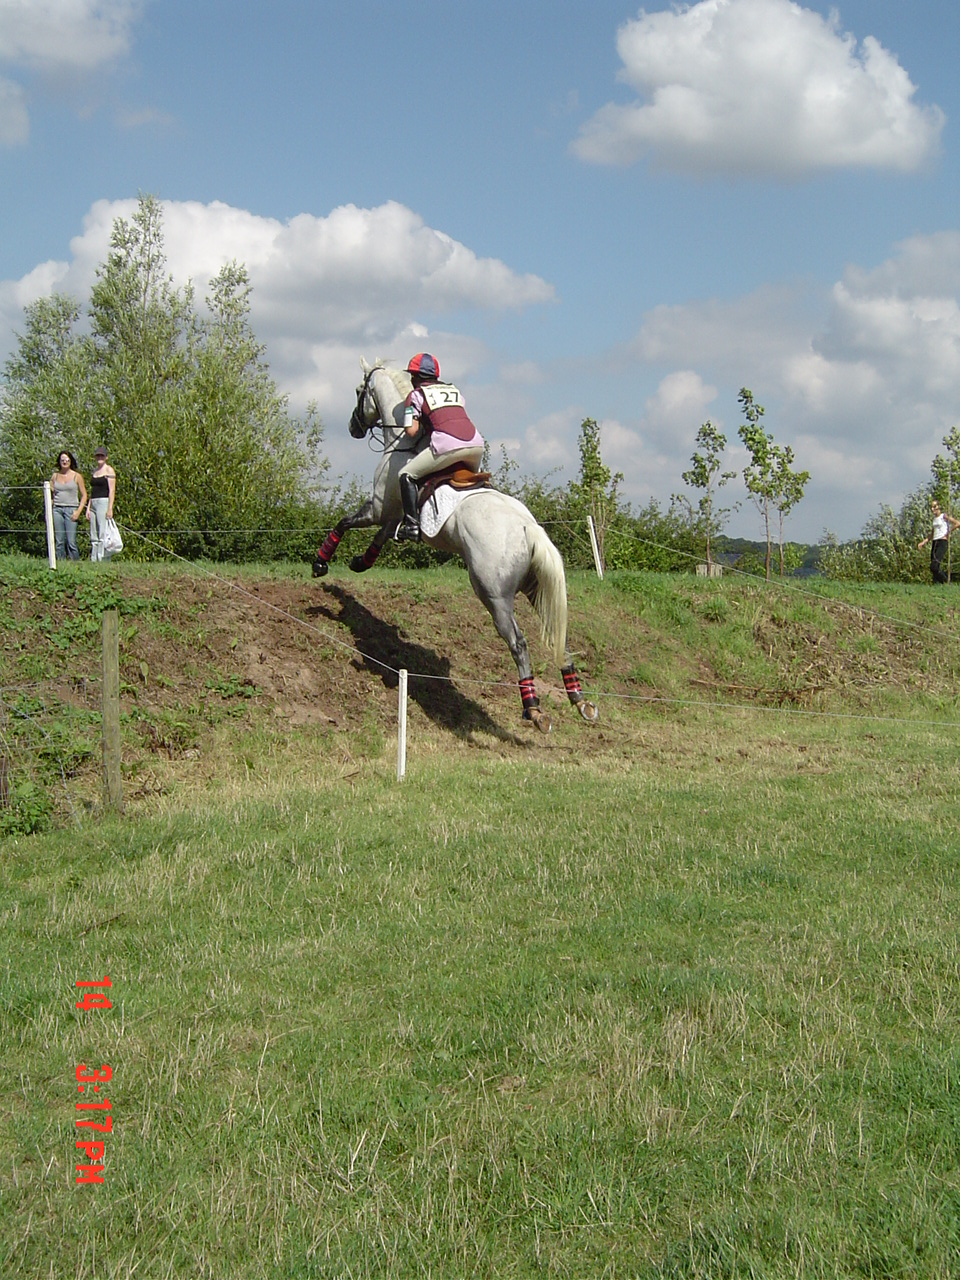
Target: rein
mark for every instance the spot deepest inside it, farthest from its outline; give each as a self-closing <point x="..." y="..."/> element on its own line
<point x="359" y="428"/>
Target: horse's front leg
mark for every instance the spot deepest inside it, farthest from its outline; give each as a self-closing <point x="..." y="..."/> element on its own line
<point x="360" y="564"/>
<point x="364" y="516"/>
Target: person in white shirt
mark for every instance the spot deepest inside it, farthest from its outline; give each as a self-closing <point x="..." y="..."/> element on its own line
<point x="943" y="526"/>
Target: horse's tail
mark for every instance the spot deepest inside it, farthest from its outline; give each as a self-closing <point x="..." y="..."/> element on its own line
<point x="550" y="597"/>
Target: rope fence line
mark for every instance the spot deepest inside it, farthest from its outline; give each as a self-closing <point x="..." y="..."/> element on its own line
<point x="478" y="682"/>
<point x="647" y="699"/>
<point x="778" y="583"/>
<point x="773" y="583"/>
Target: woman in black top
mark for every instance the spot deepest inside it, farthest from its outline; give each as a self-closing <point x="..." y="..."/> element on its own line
<point x="103" y="484"/>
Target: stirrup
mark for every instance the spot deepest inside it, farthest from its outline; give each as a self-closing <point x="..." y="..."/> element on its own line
<point x="408" y="530"/>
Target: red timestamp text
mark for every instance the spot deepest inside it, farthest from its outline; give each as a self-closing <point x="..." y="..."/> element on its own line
<point x="88" y="1081"/>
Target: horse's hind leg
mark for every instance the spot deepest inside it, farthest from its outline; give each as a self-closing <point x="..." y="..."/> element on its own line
<point x="503" y="619"/>
<point x="571" y="683"/>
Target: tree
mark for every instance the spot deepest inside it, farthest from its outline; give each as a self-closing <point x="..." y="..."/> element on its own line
<point x="703" y="474"/>
<point x="770" y="479"/>
<point x="595" y="493"/>
<point x="205" y="449"/>
<point x="886" y="550"/>
<point x="788" y="490"/>
<point x="44" y="407"/>
<point x="759" y="474"/>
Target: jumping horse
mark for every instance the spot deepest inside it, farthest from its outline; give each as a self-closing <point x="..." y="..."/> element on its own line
<point x="503" y="547"/>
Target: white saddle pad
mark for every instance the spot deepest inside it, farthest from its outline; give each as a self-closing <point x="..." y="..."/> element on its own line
<point x="439" y="507"/>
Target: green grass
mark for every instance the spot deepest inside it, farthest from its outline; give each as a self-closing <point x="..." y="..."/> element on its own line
<point x="676" y="996"/>
<point x="687" y="1009"/>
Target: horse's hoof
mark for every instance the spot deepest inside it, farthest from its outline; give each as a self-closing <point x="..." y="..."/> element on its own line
<point x="539" y="720"/>
<point x="589" y="710"/>
<point x="359" y="565"/>
<point x="320" y="568"/>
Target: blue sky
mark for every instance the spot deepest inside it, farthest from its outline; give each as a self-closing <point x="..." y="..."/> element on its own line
<point x="583" y="209"/>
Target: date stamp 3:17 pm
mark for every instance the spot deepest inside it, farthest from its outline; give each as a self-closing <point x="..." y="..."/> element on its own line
<point x="92" y="1115"/>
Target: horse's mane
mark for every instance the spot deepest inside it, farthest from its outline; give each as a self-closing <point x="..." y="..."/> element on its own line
<point x="399" y="377"/>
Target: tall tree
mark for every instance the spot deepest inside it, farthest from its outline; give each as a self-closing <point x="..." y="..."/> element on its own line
<point x="760" y="473"/>
<point x="705" y="473"/>
<point x="201" y="439"/>
<point x="596" y="492"/>
<point x="788" y="490"/>
<point x="44" y="407"/>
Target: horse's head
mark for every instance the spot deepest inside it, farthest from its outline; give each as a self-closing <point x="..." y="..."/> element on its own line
<point x="366" y="414"/>
<point x="380" y="398"/>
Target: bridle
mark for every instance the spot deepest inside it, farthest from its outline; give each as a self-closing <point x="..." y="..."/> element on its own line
<point x="359" y="428"/>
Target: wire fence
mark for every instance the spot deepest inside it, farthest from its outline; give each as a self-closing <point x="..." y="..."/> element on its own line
<point x="45" y="741"/>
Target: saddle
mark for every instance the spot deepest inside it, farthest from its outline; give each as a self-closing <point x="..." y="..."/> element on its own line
<point x="458" y="476"/>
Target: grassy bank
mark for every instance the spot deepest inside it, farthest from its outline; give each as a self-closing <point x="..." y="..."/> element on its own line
<point x="675" y="997"/>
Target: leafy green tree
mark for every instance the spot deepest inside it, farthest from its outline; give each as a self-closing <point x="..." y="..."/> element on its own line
<point x="705" y="473"/>
<point x="788" y="490"/>
<point x="759" y="474"/>
<point x="595" y="493"/>
<point x="43" y="409"/>
<point x="209" y="461"/>
<point x="886" y="550"/>
<point x="771" y="481"/>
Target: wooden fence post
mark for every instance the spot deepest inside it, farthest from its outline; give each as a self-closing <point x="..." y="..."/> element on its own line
<point x="402" y="726"/>
<point x="112" y="794"/>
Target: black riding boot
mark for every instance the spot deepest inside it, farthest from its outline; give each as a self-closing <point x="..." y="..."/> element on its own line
<point x="409" y="528"/>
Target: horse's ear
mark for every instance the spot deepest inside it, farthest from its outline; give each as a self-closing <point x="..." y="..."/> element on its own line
<point x="364" y="366"/>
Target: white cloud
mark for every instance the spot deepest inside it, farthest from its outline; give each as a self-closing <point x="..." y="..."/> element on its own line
<point x="14" y="121"/>
<point x="357" y="275"/>
<point x="864" y="390"/>
<point x="759" y="87"/>
<point x="548" y="441"/>
<point x="674" y="413"/>
<point x="739" y="335"/>
<point x="50" y="35"/>
<point x="326" y="290"/>
<point x="57" y="40"/>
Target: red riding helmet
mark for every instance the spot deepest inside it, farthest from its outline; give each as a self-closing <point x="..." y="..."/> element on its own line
<point x="424" y="366"/>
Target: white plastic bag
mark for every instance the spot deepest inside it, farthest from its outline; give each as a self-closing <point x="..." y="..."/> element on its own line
<point x="112" y="542"/>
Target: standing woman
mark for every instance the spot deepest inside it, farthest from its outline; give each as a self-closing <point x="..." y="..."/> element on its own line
<point x="69" y="499"/>
<point x="103" y="483"/>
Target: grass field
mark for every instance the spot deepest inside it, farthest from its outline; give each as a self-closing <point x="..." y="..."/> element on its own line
<point x="674" y="997"/>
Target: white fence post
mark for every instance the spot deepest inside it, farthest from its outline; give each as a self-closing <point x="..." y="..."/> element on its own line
<point x="48" y="521"/>
<point x="595" y="547"/>
<point x="402" y="727"/>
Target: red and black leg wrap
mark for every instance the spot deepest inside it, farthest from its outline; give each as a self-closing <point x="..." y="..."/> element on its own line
<point x="328" y="547"/>
<point x="370" y="555"/>
<point x="571" y="682"/>
<point x="527" y="696"/>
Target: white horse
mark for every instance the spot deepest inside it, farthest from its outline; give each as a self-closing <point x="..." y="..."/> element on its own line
<point x="503" y="547"/>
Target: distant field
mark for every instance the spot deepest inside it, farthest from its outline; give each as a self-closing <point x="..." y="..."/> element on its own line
<point x="676" y="996"/>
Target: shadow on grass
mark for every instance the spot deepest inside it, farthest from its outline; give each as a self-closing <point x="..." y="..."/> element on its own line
<point x="383" y="651"/>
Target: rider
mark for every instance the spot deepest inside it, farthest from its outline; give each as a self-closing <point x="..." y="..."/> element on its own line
<point x="438" y="407"/>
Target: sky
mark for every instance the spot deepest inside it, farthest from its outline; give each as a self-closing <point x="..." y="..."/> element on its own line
<point x="582" y="209"/>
